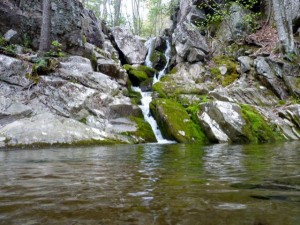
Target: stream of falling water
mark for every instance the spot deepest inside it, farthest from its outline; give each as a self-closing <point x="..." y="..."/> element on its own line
<point x="147" y="96"/>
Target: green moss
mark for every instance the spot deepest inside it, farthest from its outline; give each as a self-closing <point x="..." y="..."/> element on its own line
<point x="83" y="120"/>
<point x="158" y="60"/>
<point x="144" y="133"/>
<point x="159" y="87"/>
<point x="257" y="129"/>
<point x="83" y="40"/>
<point x="135" y="97"/>
<point x="175" y="122"/>
<point x="149" y="71"/>
<point x="3" y="41"/>
<point x="140" y="75"/>
<point x="173" y="70"/>
<point x="231" y="74"/>
<point x="93" y="60"/>
<point x="136" y="76"/>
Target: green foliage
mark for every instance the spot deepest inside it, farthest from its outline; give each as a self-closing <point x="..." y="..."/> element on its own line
<point x="219" y="11"/>
<point x="27" y="41"/>
<point x="257" y="129"/>
<point x="41" y="66"/>
<point x="3" y="41"/>
<point x="56" y="49"/>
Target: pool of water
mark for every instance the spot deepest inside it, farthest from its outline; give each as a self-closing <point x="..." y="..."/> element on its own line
<point x="152" y="184"/>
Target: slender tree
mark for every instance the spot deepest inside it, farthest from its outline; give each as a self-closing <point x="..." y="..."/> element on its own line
<point x="283" y="17"/>
<point x="46" y="27"/>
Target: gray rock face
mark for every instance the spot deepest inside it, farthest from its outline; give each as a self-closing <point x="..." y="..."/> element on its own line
<point x="269" y="78"/>
<point x="131" y="46"/>
<point x="50" y="129"/>
<point x="12" y="71"/>
<point x="78" y="103"/>
<point x="222" y="121"/>
<point x="190" y="44"/>
<point x="10" y="34"/>
<point x="234" y="26"/>
<point x="245" y="62"/>
<point x="69" y="23"/>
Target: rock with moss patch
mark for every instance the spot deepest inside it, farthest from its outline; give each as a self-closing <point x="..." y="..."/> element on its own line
<point x="225" y="70"/>
<point x="174" y="122"/>
<point x="222" y="122"/>
<point x="158" y="60"/>
<point x="143" y="132"/>
<point x="136" y="75"/>
<point x="184" y="79"/>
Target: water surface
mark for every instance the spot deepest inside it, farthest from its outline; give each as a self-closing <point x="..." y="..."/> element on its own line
<point x="152" y="184"/>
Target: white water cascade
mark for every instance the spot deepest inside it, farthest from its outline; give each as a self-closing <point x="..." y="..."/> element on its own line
<point x="147" y="96"/>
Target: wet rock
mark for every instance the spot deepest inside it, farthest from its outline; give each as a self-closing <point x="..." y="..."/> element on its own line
<point x="222" y="122"/>
<point x="132" y="48"/>
<point x="158" y="60"/>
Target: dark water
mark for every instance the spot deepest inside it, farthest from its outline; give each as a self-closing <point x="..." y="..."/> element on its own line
<point x="152" y="184"/>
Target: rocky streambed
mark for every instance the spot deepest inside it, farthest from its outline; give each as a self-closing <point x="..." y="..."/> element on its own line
<point x="214" y="91"/>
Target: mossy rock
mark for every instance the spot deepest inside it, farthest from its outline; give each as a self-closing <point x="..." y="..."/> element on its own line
<point x="257" y="128"/>
<point x="175" y="123"/>
<point x="169" y="88"/>
<point x="158" y="59"/>
<point x="136" y="76"/>
<point x="144" y="132"/>
<point x="149" y="71"/>
<point x="231" y="73"/>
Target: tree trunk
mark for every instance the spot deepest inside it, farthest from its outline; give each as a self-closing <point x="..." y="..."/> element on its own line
<point x="117" y="11"/>
<point x="46" y="26"/>
<point x="284" y="24"/>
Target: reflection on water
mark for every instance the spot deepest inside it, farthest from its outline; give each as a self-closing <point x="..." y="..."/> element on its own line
<point x="152" y="184"/>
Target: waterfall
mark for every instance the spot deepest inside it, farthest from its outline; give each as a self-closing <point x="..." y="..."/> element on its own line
<point x="147" y="96"/>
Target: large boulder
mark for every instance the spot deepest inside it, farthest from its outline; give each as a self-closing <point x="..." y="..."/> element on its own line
<point x="190" y="44"/>
<point x="131" y="47"/>
<point x="269" y="78"/>
<point x="234" y="26"/>
<point x="71" y="24"/>
<point x="230" y="122"/>
<point x="174" y="122"/>
<point x="48" y="129"/>
<point x="184" y="79"/>
<point x="13" y="71"/>
<point x="222" y="121"/>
